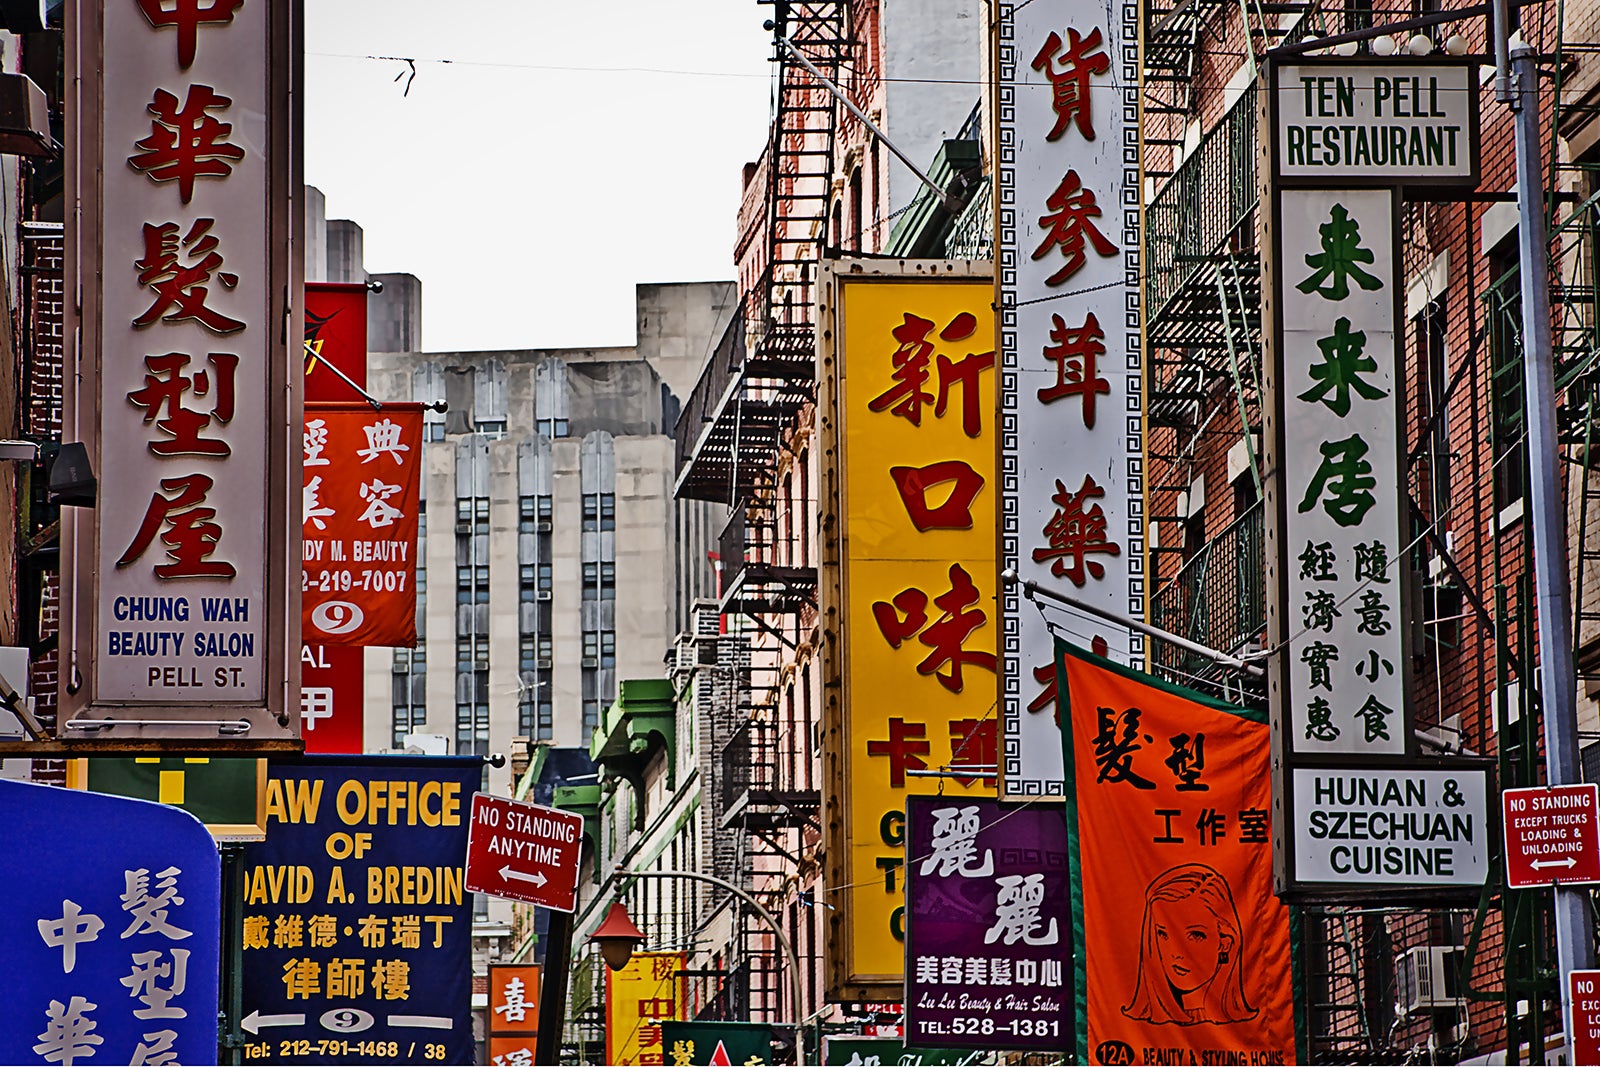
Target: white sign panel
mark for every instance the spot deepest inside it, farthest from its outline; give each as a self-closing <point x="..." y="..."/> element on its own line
<point x="1402" y="122"/>
<point x="1402" y="827"/>
<point x="1341" y="473"/>
<point x="1071" y="423"/>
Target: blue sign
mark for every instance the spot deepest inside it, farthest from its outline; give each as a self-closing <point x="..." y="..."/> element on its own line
<point x="357" y="930"/>
<point x="110" y="917"/>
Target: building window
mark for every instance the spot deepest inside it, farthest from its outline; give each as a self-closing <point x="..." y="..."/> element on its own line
<point x="600" y="511"/>
<point x="600" y="649"/>
<point x="472" y="596"/>
<point x="409" y="678"/>
<point x="1505" y="356"/>
<point x="600" y="580"/>
<point x="1430" y="339"/>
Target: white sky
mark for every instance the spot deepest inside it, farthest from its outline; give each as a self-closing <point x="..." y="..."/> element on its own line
<point x="530" y="201"/>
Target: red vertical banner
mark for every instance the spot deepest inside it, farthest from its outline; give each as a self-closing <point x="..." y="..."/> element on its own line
<point x="332" y="687"/>
<point x="1182" y="949"/>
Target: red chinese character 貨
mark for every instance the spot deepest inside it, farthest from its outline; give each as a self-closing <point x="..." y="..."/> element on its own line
<point x="181" y="290"/>
<point x="1071" y="207"/>
<point x="905" y="748"/>
<point x="1069" y="80"/>
<point x="191" y="535"/>
<point x="1077" y="529"/>
<point x="186" y="143"/>
<point x="1076" y="352"/>
<point x="161" y="396"/>
<point x="909" y="393"/>
<point x="956" y="511"/>
<point x="187" y="16"/>
<point x="974" y="744"/>
<point x="946" y="634"/>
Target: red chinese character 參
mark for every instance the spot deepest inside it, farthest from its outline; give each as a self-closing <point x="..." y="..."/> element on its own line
<point x="1071" y="207"/>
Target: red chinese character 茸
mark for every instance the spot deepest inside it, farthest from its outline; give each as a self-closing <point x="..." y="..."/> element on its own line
<point x="1076" y="352"/>
<point x="186" y="142"/>
<point x="1077" y="530"/>
<point x="187" y="16"/>
<point x="1069" y="80"/>
<point x="181" y="290"/>
<point x="161" y="396"/>
<point x="1071" y="207"/>
<point x="191" y="535"/>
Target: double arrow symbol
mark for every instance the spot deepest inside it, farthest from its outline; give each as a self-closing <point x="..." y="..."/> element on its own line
<point x="509" y="875"/>
<point x="1540" y="865"/>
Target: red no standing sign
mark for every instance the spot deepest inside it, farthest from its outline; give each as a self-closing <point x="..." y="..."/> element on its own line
<point x="524" y="852"/>
<point x="1552" y="835"/>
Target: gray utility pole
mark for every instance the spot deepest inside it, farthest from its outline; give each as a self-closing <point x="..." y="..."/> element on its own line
<point x="1552" y="582"/>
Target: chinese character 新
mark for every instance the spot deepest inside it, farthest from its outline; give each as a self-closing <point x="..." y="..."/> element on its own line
<point x="907" y="396"/>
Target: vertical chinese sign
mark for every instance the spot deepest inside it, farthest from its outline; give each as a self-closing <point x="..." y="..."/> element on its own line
<point x="1184" y="952"/>
<point x="331" y="680"/>
<point x="1068" y="288"/>
<point x="989" y="926"/>
<point x="110" y="930"/>
<point x="185" y="246"/>
<point x="1348" y="142"/>
<point x="639" y="998"/>
<point x="910" y="605"/>
<point x="513" y="1014"/>
<point x="357" y="928"/>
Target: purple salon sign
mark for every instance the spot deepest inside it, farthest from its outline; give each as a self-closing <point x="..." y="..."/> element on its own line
<point x="988" y="926"/>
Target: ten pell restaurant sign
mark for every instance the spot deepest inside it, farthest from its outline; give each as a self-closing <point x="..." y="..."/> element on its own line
<point x="1355" y="809"/>
<point x="185" y="246"/>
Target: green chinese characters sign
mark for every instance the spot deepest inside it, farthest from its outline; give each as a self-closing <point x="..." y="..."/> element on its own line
<point x="883" y="1051"/>
<point x="715" y="1043"/>
<point x="228" y="795"/>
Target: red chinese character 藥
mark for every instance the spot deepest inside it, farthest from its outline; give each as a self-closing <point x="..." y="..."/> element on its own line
<point x="946" y="634"/>
<point x="909" y="393"/>
<point x="905" y="748"/>
<point x="974" y="743"/>
<point x="1069" y="79"/>
<point x="161" y="396"/>
<point x="181" y="290"/>
<point x="185" y="142"/>
<point x="191" y="535"/>
<point x="1071" y="207"/>
<point x="187" y="16"/>
<point x="1077" y="530"/>
<point x="955" y="513"/>
<point x="1075" y="353"/>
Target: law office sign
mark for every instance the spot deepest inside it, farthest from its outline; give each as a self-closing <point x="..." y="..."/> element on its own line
<point x="184" y="246"/>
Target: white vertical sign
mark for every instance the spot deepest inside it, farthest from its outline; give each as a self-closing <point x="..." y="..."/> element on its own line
<point x="1071" y="451"/>
<point x="1341" y="467"/>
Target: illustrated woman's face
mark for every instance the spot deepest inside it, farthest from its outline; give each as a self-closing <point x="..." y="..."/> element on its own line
<point x="1187" y="942"/>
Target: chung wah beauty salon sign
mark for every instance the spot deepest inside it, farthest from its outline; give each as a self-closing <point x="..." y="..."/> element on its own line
<point x="183" y="166"/>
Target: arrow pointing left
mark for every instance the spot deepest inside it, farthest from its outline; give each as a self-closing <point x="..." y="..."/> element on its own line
<point x="255" y="1021"/>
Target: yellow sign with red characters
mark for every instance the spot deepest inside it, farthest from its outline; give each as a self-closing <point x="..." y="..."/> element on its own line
<point x="639" y="997"/>
<point x="911" y="626"/>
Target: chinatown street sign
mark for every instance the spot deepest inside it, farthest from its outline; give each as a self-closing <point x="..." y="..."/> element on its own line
<point x="1584" y="1024"/>
<point x="524" y="852"/>
<point x="1552" y="835"/>
<point x="184" y="245"/>
<point x="1390" y="122"/>
<point x="110" y="919"/>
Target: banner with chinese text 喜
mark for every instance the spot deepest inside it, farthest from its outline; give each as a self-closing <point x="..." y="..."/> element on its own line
<point x="648" y="991"/>
<point x="363" y="480"/>
<point x="912" y="405"/>
<point x="357" y="929"/>
<point x="1183" y="948"/>
<point x="1070" y="296"/>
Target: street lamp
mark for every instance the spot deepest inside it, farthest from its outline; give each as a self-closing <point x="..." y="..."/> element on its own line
<point x="625" y="935"/>
<point x="617" y="937"/>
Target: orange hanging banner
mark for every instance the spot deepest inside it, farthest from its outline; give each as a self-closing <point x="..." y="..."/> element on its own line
<point x="1184" y="949"/>
<point x="363" y="477"/>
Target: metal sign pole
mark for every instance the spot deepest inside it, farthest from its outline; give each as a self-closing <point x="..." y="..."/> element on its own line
<point x="1551" y="577"/>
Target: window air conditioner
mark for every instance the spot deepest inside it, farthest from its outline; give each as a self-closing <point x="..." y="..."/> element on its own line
<point x="1429" y="978"/>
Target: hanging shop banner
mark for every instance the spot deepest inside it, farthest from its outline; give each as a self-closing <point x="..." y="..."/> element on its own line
<point x="851" y="1051"/>
<point x="1071" y="424"/>
<point x="641" y="996"/>
<point x="716" y="1043"/>
<point x="332" y="677"/>
<point x="363" y="481"/>
<point x="110" y="930"/>
<point x="179" y="598"/>
<point x="912" y="633"/>
<point x="357" y="931"/>
<point x="1183" y="950"/>
<point x="1396" y="123"/>
<point x="988" y="926"/>
<point x="513" y="998"/>
<point x="1340" y="502"/>
<point x="228" y="795"/>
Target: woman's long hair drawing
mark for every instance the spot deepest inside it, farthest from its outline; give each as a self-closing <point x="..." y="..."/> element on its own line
<point x="1191" y="951"/>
